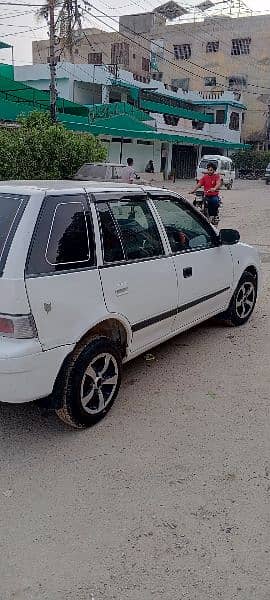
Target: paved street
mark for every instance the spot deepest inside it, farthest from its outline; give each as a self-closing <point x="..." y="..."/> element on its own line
<point x="168" y="497"/>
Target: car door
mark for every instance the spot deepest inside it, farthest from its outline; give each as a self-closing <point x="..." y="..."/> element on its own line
<point x="204" y="268"/>
<point x="138" y="277"/>
<point x="62" y="278"/>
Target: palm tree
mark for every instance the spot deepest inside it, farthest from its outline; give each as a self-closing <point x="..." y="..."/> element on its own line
<point x="67" y="22"/>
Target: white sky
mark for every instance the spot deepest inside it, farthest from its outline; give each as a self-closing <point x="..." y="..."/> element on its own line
<point x="20" y="29"/>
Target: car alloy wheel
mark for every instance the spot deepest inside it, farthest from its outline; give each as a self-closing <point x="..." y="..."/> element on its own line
<point x="99" y="383"/>
<point x="245" y="299"/>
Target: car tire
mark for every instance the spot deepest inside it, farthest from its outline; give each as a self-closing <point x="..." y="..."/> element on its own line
<point x="267" y="181"/>
<point x="243" y="301"/>
<point x="90" y="384"/>
<point x="229" y="185"/>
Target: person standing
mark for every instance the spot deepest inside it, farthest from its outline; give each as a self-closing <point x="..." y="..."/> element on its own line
<point x="128" y="172"/>
<point x="149" y="167"/>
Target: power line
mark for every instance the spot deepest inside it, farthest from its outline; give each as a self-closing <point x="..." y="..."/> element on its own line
<point x="168" y="51"/>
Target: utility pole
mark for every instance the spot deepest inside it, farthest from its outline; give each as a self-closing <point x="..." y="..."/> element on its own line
<point x="52" y="61"/>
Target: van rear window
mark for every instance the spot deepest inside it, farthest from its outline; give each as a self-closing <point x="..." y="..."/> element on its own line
<point x="11" y="209"/>
<point x="203" y="164"/>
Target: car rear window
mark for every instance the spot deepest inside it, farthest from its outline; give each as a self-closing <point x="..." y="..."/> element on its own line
<point x="203" y="164"/>
<point x="11" y="210"/>
<point x="88" y="172"/>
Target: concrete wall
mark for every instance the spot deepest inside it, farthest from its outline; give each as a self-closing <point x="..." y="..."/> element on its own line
<point x="141" y="153"/>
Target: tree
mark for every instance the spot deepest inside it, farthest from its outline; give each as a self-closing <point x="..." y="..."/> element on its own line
<point x="253" y="161"/>
<point x="37" y="149"/>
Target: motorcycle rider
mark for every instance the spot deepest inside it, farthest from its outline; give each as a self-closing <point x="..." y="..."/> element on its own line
<point x="211" y="183"/>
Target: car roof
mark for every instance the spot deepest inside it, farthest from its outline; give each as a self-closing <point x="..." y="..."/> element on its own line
<point x="107" y="164"/>
<point x="31" y="186"/>
<point x="215" y="157"/>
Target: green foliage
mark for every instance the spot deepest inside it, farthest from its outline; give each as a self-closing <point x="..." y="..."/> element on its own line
<point x="252" y="160"/>
<point x="40" y="150"/>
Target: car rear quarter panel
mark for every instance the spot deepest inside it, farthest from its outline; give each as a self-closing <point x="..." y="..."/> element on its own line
<point x="245" y="256"/>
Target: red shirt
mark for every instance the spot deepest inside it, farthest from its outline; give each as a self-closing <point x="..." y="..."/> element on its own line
<point x="208" y="182"/>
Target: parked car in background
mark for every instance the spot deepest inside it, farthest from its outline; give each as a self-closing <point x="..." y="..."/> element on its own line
<point x="99" y="172"/>
<point x="93" y="275"/>
<point x="225" y="168"/>
<point x="267" y="174"/>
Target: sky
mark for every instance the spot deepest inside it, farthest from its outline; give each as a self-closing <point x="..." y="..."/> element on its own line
<point x="19" y="25"/>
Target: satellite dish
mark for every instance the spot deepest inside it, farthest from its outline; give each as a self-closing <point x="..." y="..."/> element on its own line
<point x="171" y="10"/>
<point x="205" y="5"/>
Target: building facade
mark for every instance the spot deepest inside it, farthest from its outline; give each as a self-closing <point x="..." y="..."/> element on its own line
<point x="146" y="120"/>
<point x="211" y="55"/>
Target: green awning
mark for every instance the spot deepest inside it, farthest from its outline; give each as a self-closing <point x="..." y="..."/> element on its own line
<point x="126" y="127"/>
<point x="185" y="113"/>
<point x="118" y="126"/>
<point x="16" y="91"/>
<point x="4" y="45"/>
<point x="114" y="109"/>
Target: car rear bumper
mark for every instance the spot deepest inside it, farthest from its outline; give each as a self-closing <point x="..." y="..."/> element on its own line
<point x="26" y="372"/>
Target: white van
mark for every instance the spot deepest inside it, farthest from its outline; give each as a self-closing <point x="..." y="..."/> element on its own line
<point x="225" y="168"/>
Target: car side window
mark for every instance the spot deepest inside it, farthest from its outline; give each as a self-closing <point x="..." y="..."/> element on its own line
<point x="138" y="229"/>
<point x="112" y="247"/>
<point x="184" y="229"/>
<point x="68" y="241"/>
<point x="63" y="237"/>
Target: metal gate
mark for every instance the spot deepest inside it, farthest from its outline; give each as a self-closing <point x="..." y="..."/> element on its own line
<point x="184" y="161"/>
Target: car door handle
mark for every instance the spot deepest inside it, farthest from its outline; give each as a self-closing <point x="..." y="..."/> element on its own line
<point x="187" y="272"/>
<point x="121" y="289"/>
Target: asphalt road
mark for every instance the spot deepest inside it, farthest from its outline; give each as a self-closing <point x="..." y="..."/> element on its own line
<point x="168" y="497"/>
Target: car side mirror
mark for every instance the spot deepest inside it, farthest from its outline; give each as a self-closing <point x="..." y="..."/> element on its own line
<point x="229" y="237"/>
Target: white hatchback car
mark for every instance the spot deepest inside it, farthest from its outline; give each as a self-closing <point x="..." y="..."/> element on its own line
<point x="92" y="275"/>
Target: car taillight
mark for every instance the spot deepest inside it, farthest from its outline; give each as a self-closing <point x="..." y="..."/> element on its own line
<point x="18" y="327"/>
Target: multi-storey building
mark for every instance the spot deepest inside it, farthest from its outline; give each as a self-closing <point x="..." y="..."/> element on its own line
<point x="214" y="54"/>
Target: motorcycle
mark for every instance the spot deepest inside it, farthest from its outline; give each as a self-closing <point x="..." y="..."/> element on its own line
<point x="201" y="202"/>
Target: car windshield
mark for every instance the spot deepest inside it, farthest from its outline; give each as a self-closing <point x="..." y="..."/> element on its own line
<point x="11" y="207"/>
<point x="203" y="164"/>
<point x="268" y="167"/>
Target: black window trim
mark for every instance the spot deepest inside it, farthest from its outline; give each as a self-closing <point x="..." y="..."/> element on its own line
<point x="114" y="197"/>
<point x="90" y="229"/>
<point x="198" y="217"/>
<point x="13" y="228"/>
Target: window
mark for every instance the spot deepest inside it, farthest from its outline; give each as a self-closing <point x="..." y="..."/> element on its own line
<point x="112" y="248"/>
<point x="157" y="76"/>
<point x="237" y="82"/>
<point x="171" y="120"/>
<point x="138" y="229"/>
<point x="240" y="46"/>
<point x="182" y="51"/>
<point x="68" y="240"/>
<point x="210" y="81"/>
<point x="133" y="56"/>
<point x="95" y="58"/>
<point x="183" y="227"/>
<point x="63" y="238"/>
<point x="145" y="64"/>
<point x="198" y="125"/>
<point x="220" y="117"/>
<point x="234" y="121"/>
<point x="212" y="46"/>
<point x="12" y="207"/>
<point x="183" y="84"/>
<point x="120" y="53"/>
<point x="204" y="162"/>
